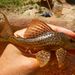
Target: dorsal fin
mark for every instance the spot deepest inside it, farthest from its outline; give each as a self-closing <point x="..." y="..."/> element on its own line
<point x="6" y="27"/>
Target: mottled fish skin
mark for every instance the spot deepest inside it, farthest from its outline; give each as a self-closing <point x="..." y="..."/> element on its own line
<point x="52" y="39"/>
<point x="58" y="40"/>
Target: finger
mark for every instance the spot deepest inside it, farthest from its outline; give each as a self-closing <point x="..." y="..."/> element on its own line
<point x="11" y="51"/>
<point x="14" y="62"/>
<point x="29" y="65"/>
<point x="61" y="29"/>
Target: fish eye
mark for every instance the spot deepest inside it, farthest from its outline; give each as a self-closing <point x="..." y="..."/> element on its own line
<point x="72" y="40"/>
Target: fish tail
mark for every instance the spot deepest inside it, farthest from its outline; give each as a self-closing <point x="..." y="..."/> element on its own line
<point x="6" y="31"/>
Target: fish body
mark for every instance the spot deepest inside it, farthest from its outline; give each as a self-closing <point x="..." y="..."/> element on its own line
<point x="46" y="37"/>
<point x="55" y="41"/>
<point x="52" y="39"/>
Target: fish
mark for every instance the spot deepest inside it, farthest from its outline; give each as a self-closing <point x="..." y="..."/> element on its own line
<point x="40" y="35"/>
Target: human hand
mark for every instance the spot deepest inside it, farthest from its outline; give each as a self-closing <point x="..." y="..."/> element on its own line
<point x="12" y="62"/>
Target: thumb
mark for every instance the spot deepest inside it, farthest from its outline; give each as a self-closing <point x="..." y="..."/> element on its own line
<point x="16" y="63"/>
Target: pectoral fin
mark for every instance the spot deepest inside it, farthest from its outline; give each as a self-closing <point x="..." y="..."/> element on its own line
<point x="43" y="57"/>
<point x="61" y="57"/>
